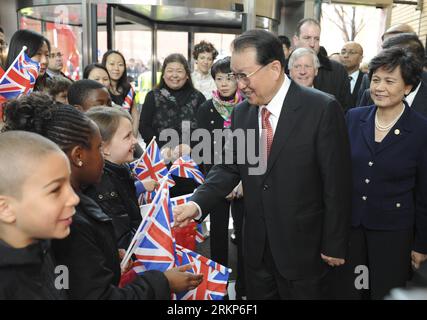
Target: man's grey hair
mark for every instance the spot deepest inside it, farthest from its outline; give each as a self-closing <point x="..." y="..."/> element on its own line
<point x="300" y="52"/>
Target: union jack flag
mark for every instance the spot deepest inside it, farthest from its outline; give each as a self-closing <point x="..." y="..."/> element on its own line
<point x="214" y="285"/>
<point x="186" y="167"/>
<point x="156" y="248"/>
<point x="19" y="78"/>
<point x="150" y="165"/>
<point x="182" y="200"/>
<point x="127" y="104"/>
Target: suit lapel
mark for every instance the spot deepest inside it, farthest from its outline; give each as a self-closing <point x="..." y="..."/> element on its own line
<point x="252" y="123"/>
<point x="419" y="103"/>
<point x="399" y="132"/>
<point x="285" y="125"/>
<point x="357" y="85"/>
<point x="367" y="126"/>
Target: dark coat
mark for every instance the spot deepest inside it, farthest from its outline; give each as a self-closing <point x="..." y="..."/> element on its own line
<point x="390" y="179"/>
<point x="91" y="254"/>
<point x="301" y="204"/>
<point x="116" y="195"/>
<point x="332" y="78"/>
<point x="208" y="118"/>
<point x="355" y="95"/>
<point x="28" y="273"/>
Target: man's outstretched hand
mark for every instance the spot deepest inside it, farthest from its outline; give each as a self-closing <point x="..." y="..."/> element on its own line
<point x="184" y="213"/>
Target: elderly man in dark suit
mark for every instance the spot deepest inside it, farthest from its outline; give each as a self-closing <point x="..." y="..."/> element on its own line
<point x="298" y="209"/>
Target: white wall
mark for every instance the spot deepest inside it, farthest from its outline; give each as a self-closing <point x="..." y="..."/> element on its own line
<point x="8" y="17"/>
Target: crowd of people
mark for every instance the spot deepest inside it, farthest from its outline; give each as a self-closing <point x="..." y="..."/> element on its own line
<point x="344" y="151"/>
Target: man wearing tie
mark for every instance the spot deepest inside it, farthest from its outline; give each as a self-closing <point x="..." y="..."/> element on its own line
<point x="351" y="56"/>
<point x="298" y="208"/>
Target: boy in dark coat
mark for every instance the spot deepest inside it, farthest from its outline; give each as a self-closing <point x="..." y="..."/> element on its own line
<point x="36" y="204"/>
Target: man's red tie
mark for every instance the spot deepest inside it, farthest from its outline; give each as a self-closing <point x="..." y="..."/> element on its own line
<point x="266" y="125"/>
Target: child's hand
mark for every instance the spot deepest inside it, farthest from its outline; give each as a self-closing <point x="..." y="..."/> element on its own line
<point x="181" y="150"/>
<point x="128" y="266"/>
<point x="238" y="191"/>
<point x="179" y="280"/>
<point x="150" y="184"/>
<point x="167" y="154"/>
<point x="230" y="196"/>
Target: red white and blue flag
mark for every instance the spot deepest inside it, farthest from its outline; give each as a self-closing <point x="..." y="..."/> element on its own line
<point x="215" y="276"/>
<point x="155" y="250"/>
<point x="20" y="78"/>
<point x="127" y="104"/>
<point x="151" y="166"/>
<point x="186" y="167"/>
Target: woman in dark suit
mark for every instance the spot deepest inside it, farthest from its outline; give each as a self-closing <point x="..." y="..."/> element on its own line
<point x="215" y="115"/>
<point x="389" y="162"/>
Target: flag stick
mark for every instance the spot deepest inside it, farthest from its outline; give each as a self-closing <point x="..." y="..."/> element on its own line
<point x="13" y="63"/>
<point x="145" y="151"/>
<point x="137" y="236"/>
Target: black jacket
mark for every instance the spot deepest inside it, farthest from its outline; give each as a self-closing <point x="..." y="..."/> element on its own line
<point x="355" y="95"/>
<point x="28" y="273"/>
<point x="91" y="254"/>
<point x="301" y="204"/>
<point x="333" y="78"/>
<point x="208" y="118"/>
<point x="116" y="195"/>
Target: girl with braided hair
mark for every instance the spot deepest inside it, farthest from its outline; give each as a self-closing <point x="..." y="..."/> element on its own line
<point x="90" y="252"/>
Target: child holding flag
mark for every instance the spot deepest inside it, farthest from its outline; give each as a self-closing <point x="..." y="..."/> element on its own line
<point x="116" y="193"/>
<point x="90" y="252"/>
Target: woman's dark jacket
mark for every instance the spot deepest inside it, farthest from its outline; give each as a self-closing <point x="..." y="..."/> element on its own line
<point x="208" y="118"/>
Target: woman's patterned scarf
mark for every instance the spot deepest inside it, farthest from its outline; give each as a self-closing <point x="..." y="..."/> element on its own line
<point x="225" y="108"/>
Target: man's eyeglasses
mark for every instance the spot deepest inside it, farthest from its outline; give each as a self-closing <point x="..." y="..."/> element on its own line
<point x="243" y="77"/>
<point x="350" y="52"/>
<point x="56" y="55"/>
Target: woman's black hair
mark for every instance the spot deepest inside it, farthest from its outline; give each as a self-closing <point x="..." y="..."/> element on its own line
<point x="88" y="69"/>
<point x="60" y="123"/>
<point x="123" y="84"/>
<point x="394" y="57"/>
<point x="179" y="58"/>
<point x="32" y="40"/>
<point x="221" y="66"/>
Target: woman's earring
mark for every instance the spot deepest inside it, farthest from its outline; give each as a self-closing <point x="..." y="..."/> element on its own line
<point x="80" y="163"/>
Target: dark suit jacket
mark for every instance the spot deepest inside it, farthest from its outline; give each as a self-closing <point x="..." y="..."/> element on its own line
<point x="301" y="204"/>
<point x="396" y="190"/>
<point x="355" y="94"/>
<point x="419" y="104"/>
